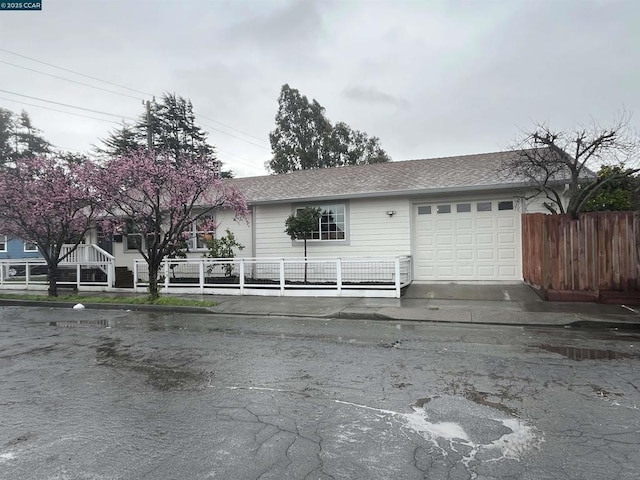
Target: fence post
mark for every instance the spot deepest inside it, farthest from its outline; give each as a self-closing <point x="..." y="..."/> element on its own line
<point x="282" y="276"/>
<point x="241" y="273"/>
<point x="110" y="274"/>
<point x="135" y="276"/>
<point x="166" y="276"/>
<point x="78" y="271"/>
<point x="339" y="276"/>
<point x="201" y="274"/>
<point x="397" y="269"/>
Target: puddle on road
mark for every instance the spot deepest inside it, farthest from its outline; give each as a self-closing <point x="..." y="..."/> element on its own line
<point x="166" y="378"/>
<point x="576" y="353"/>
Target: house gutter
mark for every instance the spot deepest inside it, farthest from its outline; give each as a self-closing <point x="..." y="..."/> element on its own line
<point x="396" y="193"/>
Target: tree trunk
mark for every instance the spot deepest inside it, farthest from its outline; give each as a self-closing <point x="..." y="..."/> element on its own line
<point x="153" y="282"/>
<point x="52" y="277"/>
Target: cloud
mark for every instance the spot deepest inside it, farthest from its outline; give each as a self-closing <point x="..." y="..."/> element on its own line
<point x="372" y="95"/>
<point x="290" y="27"/>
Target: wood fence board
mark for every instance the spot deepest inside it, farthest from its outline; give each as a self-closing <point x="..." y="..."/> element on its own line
<point x="598" y="251"/>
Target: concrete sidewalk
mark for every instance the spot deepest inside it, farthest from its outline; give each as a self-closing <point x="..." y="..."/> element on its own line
<point x="446" y="303"/>
<point x="494" y="312"/>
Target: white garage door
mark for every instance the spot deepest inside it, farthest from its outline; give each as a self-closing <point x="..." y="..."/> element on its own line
<point x="470" y="240"/>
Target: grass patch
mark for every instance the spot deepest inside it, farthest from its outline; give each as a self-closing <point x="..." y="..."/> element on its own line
<point x="129" y="300"/>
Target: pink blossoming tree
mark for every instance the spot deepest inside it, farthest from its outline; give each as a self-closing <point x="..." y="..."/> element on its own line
<point x="157" y="198"/>
<point x="48" y="202"/>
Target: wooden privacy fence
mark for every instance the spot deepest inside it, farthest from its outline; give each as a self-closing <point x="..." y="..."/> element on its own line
<point x="600" y="251"/>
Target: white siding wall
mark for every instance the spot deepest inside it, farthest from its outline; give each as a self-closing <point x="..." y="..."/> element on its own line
<point x="241" y="229"/>
<point x="536" y="205"/>
<point x="370" y="231"/>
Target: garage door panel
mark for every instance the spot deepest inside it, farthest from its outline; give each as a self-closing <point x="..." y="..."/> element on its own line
<point x="467" y="245"/>
<point x="506" y="254"/>
<point x="506" y="222"/>
<point x="426" y="240"/>
<point x="506" y="238"/>
<point x="464" y="239"/>
<point x="507" y="270"/>
<point x="444" y="255"/>
<point x="430" y="271"/>
<point x="485" y="254"/>
<point x="484" y="238"/>
<point x="464" y="254"/>
<point x="445" y="271"/>
<point x="465" y="272"/>
<point x="445" y="225"/>
<point x="486" y="271"/>
<point x="465" y="224"/>
<point x="484" y="223"/>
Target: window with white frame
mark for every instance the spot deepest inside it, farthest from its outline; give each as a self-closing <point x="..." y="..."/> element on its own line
<point x="3" y="243"/>
<point x="30" y="247"/>
<point x="201" y="233"/>
<point x="332" y="223"/>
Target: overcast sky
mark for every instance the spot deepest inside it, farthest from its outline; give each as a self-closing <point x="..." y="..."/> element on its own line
<point x="428" y="78"/>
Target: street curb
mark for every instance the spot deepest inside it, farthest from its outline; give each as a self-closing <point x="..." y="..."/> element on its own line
<point x="107" y="306"/>
<point x="590" y="324"/>
<point x="584" y="324"/>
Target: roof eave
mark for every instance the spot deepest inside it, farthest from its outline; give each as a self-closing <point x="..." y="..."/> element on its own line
<point x="395" y="193"/>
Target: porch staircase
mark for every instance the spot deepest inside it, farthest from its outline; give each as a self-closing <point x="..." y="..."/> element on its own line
<point x="124" y="278"/>
<point x="94" y="261"/>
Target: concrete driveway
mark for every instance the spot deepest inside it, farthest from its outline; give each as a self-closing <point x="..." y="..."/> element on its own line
<point x="455" y="291"/>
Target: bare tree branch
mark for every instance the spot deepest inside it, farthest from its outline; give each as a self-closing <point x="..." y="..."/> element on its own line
<point x="559" y="165"/>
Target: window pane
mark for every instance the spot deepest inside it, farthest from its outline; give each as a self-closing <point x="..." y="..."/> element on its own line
<point x="443" y="209"/>
<point x="424" y="210"/>
<point x="202" y="233"/>
<point x="463" y="207"/>
<point x="134" y="241"/>
<point x="505" y="205"/>
<point x="483" y="206"/>
<point x="30" y="247"/>
<point x="332" y="223"/>
<point x="3" y="243"/>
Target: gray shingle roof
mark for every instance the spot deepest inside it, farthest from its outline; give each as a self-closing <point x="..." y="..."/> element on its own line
<point x="467" y="172"/>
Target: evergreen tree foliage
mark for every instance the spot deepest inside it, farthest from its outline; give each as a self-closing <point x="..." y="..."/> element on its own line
<point x="19" y="138"/>
<point x="173" y="128"/>
<point x="305" y="139"/>
<point x="620" y="194"/>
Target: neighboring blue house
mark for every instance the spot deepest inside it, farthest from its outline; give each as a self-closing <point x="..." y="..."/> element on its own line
<point x="17" y="248"/>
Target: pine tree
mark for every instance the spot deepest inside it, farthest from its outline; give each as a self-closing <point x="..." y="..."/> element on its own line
<point x="174" y="130"/>
<point x="19" y="138"/>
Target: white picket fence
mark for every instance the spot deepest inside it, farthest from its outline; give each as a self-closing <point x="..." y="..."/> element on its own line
<point x="369" y="276"/>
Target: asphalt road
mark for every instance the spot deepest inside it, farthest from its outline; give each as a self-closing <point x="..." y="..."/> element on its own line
<point x="89" y="394"/>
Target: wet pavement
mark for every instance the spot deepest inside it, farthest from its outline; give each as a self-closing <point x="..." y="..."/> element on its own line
<point x="108" y="394"/>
